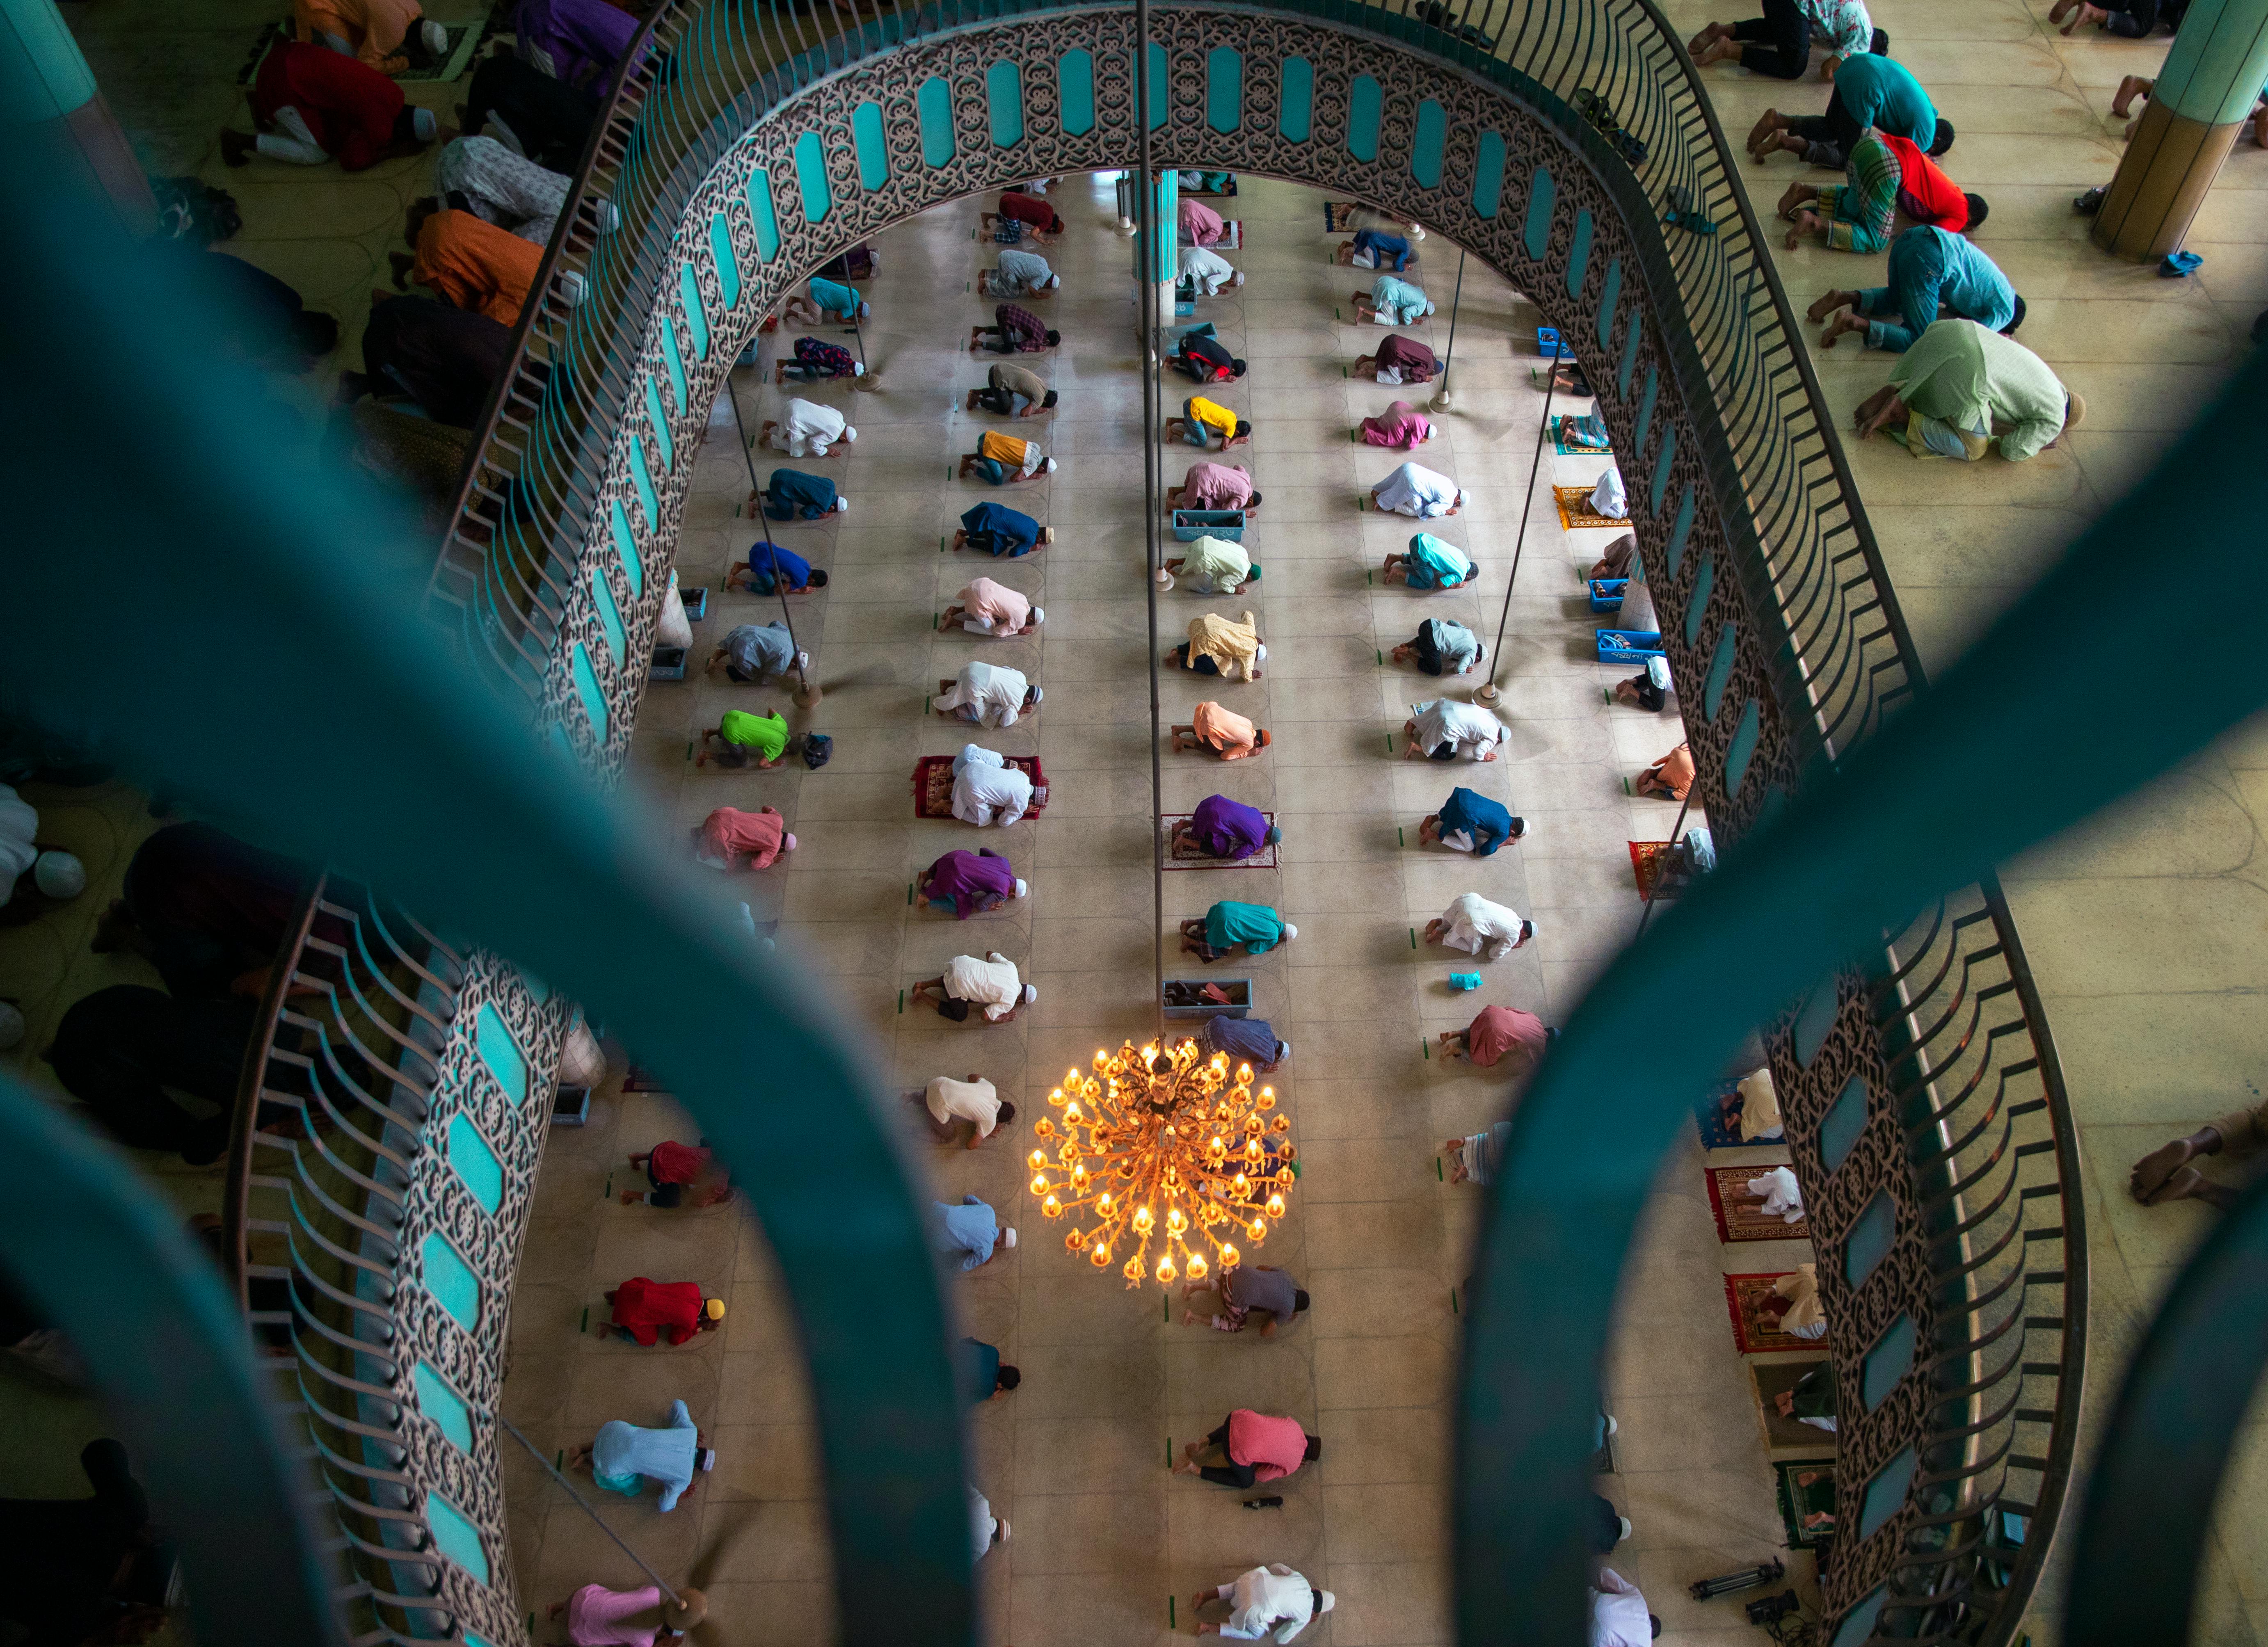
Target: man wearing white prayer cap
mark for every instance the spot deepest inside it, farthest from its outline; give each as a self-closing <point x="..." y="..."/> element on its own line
<point x="1272" y="1601"/>
<point x="804" y="429"/>
<point x="986" y="607"/>
<point x="59" y="875"/>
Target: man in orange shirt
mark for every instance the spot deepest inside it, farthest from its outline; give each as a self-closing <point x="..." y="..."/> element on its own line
<point x="472" y="264"/>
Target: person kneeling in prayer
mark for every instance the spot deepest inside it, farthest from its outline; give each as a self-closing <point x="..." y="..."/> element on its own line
<point x="1669" y="778"/>
<point x="743" y="735"/>
<point x="996" y="530"/>
<point x="804" y="429"/>
<point x="1777" y="1189"/>
<point x="769" y="567"/>
<point x="1014" y="331"/>
<point x="1471" y="823"/>
<point x="1477" y="926"/>
<point x="1013" y="392"/>
<point x="829" y="303"/>
<point x="816" y="361"/>
<point x="1752" y="1108"/>
<point x="990" y="694"/>
<point x="988" y="791"/>
<point x="1403" y="428"/>
<point x="985" y="607"/>
<point x="1005" y="460"/>
<point x="1417" y="492"/>
<point x="1021" y="275"/>
<point x="1253" y="927"/>
<point x="1223" y="828"/>
<point x="788" y="495"/>
<point x="991" y="984"/>
<point x="1793" y="1303"/>
<point x="972" y="883"/>
<point x="1214" y="566"/>
<point x="1200" y="357"/>
<point x="1208" y="424"/>
<point x="1231" y="736"/>
<point x="1206" y="273"/>
<point x="1495" y="1032"/>
<point x="1241" y="1291"/>
<point x="645" y="1312"/>
<point x="1443" y="729"/>
<point x="1399" y="360"/>
<point x="623" y="1457"/>
<point x="1221" y="646"/>
<point x="975" y="1100"/>
<point x="1961" y="389"/>
<point x="1214" y="486"/>
<point x="1374" y="248"/>
<point x="1442" y="648"/>
<point x="751" y="652"/>
<point x="1391" y="302"/>
<point x="728" y="834"/>
<point x="1431" y="564"/>
<point x="1933" y="272"/>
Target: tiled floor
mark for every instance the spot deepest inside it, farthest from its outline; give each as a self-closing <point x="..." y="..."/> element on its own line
<point x="2140" y="928"/>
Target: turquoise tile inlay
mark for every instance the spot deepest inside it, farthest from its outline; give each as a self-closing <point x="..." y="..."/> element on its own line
<point x="761" y="215"/>
<point x="1684" y="529"/>
<point x="537" y="990"/>
<point x="696" y="313"/>
<point x="1872" y="1234"/>
<point x="1662" y="459"/>
<point x="1610" y="294"/>
<point x="451" y="1281"/>
<point x="1887" y="1363"/>
<point x="1579" y="254"/>
<point x="1697" y="605"/>
<point x="1366" y="105"/>
<point x="473" y="1161"/>
<point x="1859" y="1623"/>
<point x="641" y="482"/>
<point x="586" y="688"/>
<point x="1488" y="175"/>
<point x="1075" y="91"/>
<point x="456" y="1537"/>
<point x="1542" y="195"/>
<point x="659" y="421"/>
<point x="934" y="103"/>
<point x="1003" y="96"/>
<point x="1645" y="405"/>
<point x="493" y="1040"/>
<point x="610" y="615"/>
<point x="1720" y="671"/>
<point x="1428" y="144"/>
<point x="559" y="735"/>
<point x="871" y="147"/>
<point x="1295" y="106"/>
<point x="1885" y="1493"/>
<point x="1813" y="1019"/>
<point x="673" y="358"/>
<point x="1225" y="88"/>
<point x="728" y="266"/>
<point x="1741" y="746"/>
<point x="811" y="177"/>
<point x="625" y="546"/>
<point x="1844" y="1121"/>
<point x="1156" y="86"/>
<point x="1630" y="358"/>
<point x="441" y="1404"/>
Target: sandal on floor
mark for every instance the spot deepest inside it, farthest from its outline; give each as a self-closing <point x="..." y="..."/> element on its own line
<point x="2088" y="204"/>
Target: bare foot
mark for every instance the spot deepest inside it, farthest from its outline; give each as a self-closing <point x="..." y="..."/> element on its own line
<point x="1828" y="303"/>
<point x="2061" y="10"/>
<point x="1796" y="196"/>
<point x="1845" y="321"/>
<point x="1770" y="124"/>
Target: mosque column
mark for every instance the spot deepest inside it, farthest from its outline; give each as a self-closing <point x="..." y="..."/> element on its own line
<point x="2203" y="98"/>
<point x="46" y="89"/>
<point x="1163" y="264"/>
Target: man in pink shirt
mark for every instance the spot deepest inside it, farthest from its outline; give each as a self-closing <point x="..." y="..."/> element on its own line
<point x="600" y="1617"/>
<point x="1254" y="1447"/>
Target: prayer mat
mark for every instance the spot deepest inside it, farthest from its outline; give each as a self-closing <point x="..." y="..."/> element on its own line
<point x="1740" y="1217"/>
<point x="1338" y="216"/>
<point x="933" y="785"/>
<point x="1647" y="860"/>
<point x="1715" y="1133"/>
<point x="1744" y="1296"/>
<point x="1768" y="1378"/>
<point x="1798" y="1502"/>
<point x="1559" y="442"/>
<point x="1184" y="853"/>
<point x="1575" y="510"/>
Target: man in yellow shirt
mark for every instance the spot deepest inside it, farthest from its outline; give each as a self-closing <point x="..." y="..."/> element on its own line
<point x="1003" y="459"/>
<point x="1208" y="424"/>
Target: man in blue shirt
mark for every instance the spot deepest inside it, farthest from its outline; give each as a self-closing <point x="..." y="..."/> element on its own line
<point x="1934" y="276"/>
<point x="971" y="1229"/>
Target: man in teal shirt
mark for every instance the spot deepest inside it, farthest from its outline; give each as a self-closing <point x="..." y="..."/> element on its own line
<point x="1255" y="926"/>
<point x="1870" y="92"/>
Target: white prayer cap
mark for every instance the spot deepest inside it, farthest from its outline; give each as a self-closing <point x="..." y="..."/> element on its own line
<point x="841" y="504"/>
<point x="865" y="309"/>
<point x="1236" y="279"/>
<point x="858" y="369"/>
<point x="787" y="844"/>
<point x="1327" y="1602"/>
<point x="1055" y="280"/>
<point x="573" y="289"/>
<point x="1291" y="931"/>
<point x="1031" y="992"/>
<point x="1657" y="672"/>
<point x="1039" y="614"/>
<point x="803" y="660"/>
<point x="1008" y="1236"/>
<point x="705" y="1458"/>
<point x="436" y="37"/>
<point x="1039" y="694"/>
<point x="421" y="120"/>
<point x="1022" y="888"/>
<point x="850" y="433"/>
<point x="11" y="1026"/>
<point x="59" y="875"/>
<point x="1051" y="466"/>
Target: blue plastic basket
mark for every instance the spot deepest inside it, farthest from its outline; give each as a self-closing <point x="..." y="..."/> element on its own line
<point x="1239" y="991"/>
<point x="1628" y="646"/>
<point x="1606" y="593"/>
<point x="1189" y="524"/>
<point x="1549" y="345"/>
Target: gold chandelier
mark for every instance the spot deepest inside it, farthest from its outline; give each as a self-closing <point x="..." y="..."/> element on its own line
<point x="1163" y="1142"/>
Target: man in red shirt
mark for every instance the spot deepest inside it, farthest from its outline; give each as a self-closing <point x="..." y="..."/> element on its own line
<point x="645" y="1312"/>
<point x="313" y="104"/>
<point x="682" y="1176"/>
<point x="1029" y="209"/>
<point x="1254" y="1447"/>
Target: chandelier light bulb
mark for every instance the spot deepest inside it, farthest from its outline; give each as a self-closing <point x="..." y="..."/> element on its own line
<point x="1229" y="1258"/>
<point x="1274" y="1205"/>
<point x="1198" y="1269"/>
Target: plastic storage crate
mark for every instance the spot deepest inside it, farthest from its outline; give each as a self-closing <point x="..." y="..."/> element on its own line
<point x="1227" y="524"/>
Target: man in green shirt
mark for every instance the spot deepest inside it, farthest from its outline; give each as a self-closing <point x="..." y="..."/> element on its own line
<point x="743" y="735"/>
<point x="1959" y="387"/>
